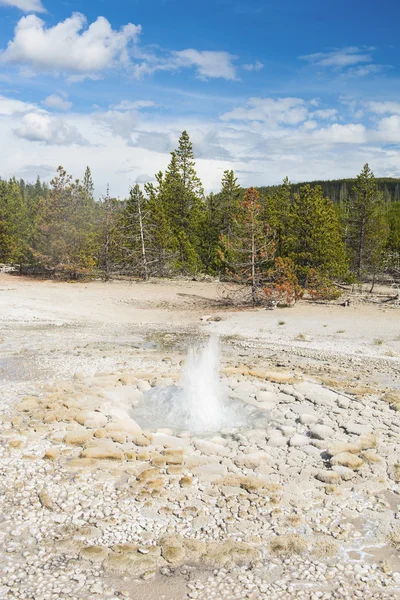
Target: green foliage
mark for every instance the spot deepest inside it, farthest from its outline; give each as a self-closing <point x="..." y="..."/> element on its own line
<point x="65" y="238"/>
<point x="314" y="237"/>
<point x="14" y="224"/>
<point x="367" y="228"/>
<point x="88" y="184"/>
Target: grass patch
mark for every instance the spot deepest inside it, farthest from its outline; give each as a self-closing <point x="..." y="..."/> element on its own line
<point x="288" y="544"/>
<point x="281" y="322"/>
<point x="340" y="331"/>
<point x="301" y="337"/>
<point x="325" y="325"/>
<point x="378" y="342"/>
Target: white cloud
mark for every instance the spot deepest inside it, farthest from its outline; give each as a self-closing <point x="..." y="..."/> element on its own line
<point x="389" y="129"/>
<point x="289" y="111"/>
<point x="59" y="102"/>
<point x="385" y="107"/>
<point x="135" y="105"/>
<point x="338" y="58"/>
<point x="326" y="113"/>
<point x="352" y="133"/>
<point x="208" y="65"/>
<point x="10" y="106"/>
<point x="41" y="127"/>
<point x="257" y="66"/>
<point x="69" y="46"/>
<point x="25" y="5"/>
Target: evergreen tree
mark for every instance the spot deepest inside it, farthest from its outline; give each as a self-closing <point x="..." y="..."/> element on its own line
<point x="88" y="185"/>
<point x="134" y="221"/>
<point x="65" y="236"/>
<point x="367" y="227"/>
<point x="277" y="210"/>
<point x="314" y="239"/>
<point x="251" y="249"/>
<point x="228" y="203"/>
<point x="14" y="224"/>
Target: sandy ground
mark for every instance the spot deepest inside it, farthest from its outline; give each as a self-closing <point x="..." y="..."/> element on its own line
<point x="71" y="343"/>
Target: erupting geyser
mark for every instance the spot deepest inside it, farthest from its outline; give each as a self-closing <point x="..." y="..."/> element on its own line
<point x="200" y="403"/>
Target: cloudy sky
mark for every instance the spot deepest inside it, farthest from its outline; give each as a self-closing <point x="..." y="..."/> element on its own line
<point x="270" y="88"/>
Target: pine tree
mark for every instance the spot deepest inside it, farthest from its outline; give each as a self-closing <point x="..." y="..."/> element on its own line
<point x="367" y="225"/>
<point x="314" y="239"/>
<point x="65" y="235"/>
<point x="14" y="224"/>
<point x="183" y="196"/>
<point x="88" y="183"/>
<point x="228" y="202"/>
<point x="250" y="249"/>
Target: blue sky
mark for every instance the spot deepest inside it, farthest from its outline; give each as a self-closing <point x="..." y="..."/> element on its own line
<point x="308" y="89"/>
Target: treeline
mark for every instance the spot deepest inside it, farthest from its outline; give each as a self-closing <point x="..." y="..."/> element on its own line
<point x="277" y="241"/>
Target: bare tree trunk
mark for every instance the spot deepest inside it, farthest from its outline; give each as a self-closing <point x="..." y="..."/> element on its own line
<point x="146" y="273"/>
<point x="253" y="269"/>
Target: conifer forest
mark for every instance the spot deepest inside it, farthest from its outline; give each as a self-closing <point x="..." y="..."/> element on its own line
<point x="279" y="241"/>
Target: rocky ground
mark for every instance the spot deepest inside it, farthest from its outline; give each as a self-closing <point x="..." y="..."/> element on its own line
<point x="95" y="507"/>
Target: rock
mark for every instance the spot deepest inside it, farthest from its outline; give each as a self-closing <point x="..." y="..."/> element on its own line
<point x="371" y="456"/>
<point x="239" y="553"/>
<point x="143" y="386"/>
<point x="368" y="441"/>
<point x="28" y="405"/>
<point x="245" y="389"/>
<point x="340" y="447"/>
<point x="277" y="440"/>
<point x="186" y="481"/>
<point x="343" y="402"/>
<point x="299" y="440"/>
<point x="345" y="473"/>
<point x="172" y="549"/>
<point x="95" y="554"/>
<point x="139" y="439"/>
<point x="173" y="457"/>
<point x="169" y="441"/>
<point x="253" y="460"/>
<point x="265" y="396"/>
<point x="287" y="430"/>
<point x="308" y="419"/>
<point x="329" y="477"/>
<point x="317" y="394"/>
<point x="125" y="425"/>
<point x="51" y="454"/>
<point x="91" y="419"/>
<point x="357" y="429"/>
<point x="130" y="455"/>
<point x="45" y="500"/>
<point x="346" y="459"/>
<point x="103" y="453"/>
<point x="77" y="437"/>
<point x="321" y="432"/>
<point x="210" y="448"/>
<point x="148" y="474"/>
<point x="16" y="443"/>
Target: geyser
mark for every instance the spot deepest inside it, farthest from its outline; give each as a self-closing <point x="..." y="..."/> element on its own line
<point x="200" y="403"/>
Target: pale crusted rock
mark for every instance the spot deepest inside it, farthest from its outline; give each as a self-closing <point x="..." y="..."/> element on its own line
<point x="103" y="453"/>
<point x="265" y="396"/>
<point x="95" y="554"/>
<point x="169" y="441"/>
<point x="357" y="428"/>
<point x="346" y="459"/>
<point x="299" y="440"/>
<point x="371" y="456"/>
<point x="124" y="425"/>
<point x="317" y="394"/>
<point x="186" y="481"/>
<point x="340" y="447"/>
<point x="345" y="473"/>
<point x="173" y="457"/>
<point x="368" y="441"/>
<point x="343" y="402"/>
<point x="77" y="437"/>
<point x="45" y="500"/>
<point x="308" y="419"/>
<point x="140" y="439"/>
<point x="321" y="432"/>
<point x="253" y="460"/>
<point x="276" y="440"/>
<point x="330" y="477"/>
<point x="28" y="405"/>
<point x="51" y="454"/>
<point x="143" y="386"/>
<point x="91" y="419"/>
<point x="211" y="449"/>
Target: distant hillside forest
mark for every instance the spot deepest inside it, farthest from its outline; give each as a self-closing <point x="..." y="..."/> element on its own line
<point x="338" y="190"/>
<point x="279" y="242"/>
